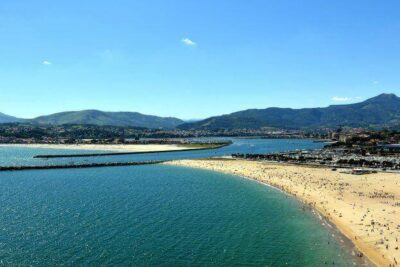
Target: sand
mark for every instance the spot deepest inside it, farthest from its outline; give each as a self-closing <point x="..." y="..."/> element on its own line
<point x="110" y="147"/>
<point x="365" y="208"/>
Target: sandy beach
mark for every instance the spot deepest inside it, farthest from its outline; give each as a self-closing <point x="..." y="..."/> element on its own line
<point x="365" y="208"/>
<point x="110" y="147"/>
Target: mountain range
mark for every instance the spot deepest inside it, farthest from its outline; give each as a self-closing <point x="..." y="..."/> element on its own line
<point x="97" y="117"/>
<point x="382" y="110"/>
<point x="379" y="111"/>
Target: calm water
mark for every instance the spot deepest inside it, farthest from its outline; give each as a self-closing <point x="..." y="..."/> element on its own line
<point x="156" y="215"/>
<point x="10" y="156"/>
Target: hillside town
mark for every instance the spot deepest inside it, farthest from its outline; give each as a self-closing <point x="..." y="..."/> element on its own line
<point x="354" y="138"/>
<point x="71" y="134"/>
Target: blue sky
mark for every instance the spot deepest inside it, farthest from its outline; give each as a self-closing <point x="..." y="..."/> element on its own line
<point x="194" y="59"/>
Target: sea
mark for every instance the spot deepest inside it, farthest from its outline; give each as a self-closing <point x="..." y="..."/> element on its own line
<point x="158" y="215"/>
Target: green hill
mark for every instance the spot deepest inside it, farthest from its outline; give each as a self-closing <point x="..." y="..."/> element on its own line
<point x="96" y="117"/>
<point x="382" y="110"/>
<point x="8" y="119"/>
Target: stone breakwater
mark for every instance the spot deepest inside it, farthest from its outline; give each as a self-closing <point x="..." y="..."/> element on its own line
<point x="77" y="166"/>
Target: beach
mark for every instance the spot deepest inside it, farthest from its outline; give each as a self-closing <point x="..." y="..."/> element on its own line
<point x="365" y="208"/>
<point x="109" y="147"/>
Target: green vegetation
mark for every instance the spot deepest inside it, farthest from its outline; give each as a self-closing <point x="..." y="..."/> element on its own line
<point x="380" y="111"/>
<point x="101" y="118"/>
<point x="8" y="119"/>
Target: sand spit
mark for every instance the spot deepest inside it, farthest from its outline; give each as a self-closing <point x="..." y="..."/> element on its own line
<point x="110" y="147"/>
<point x="365" y="208"/>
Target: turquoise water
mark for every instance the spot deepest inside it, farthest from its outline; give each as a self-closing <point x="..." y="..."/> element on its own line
<point x="156" y="216"/>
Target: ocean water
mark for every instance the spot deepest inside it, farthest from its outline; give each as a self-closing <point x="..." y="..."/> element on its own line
<point x="156" y="216"/>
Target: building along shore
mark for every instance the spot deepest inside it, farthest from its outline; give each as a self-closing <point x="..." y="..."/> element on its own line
<point x="365" y="208"/>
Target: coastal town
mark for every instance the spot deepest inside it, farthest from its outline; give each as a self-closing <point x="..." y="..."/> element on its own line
<point x="369" y="150"/>
<point x="348" y="147"/>
<point x="70" y="133"/>
<point x="21" y="133"/>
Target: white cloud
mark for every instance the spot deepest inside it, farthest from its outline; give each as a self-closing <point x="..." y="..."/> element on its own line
<point x="46" y="62"/>
<point x="375" y="82"/>
<point x="340" y="98"/>
<point x="189" y="42"/>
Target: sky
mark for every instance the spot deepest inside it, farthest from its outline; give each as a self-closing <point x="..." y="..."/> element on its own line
<point x="194" y="59"/>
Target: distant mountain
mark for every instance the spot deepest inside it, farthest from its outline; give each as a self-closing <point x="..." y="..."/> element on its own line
<point x="96" y="117"/>
<point x="382" y="110"/>
<point x="8" y="119"/>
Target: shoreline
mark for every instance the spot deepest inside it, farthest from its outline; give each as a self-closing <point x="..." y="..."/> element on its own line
<point x="332" y="228"/>
<point x="107" y="147"/>
<point x="328" y="193"/>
